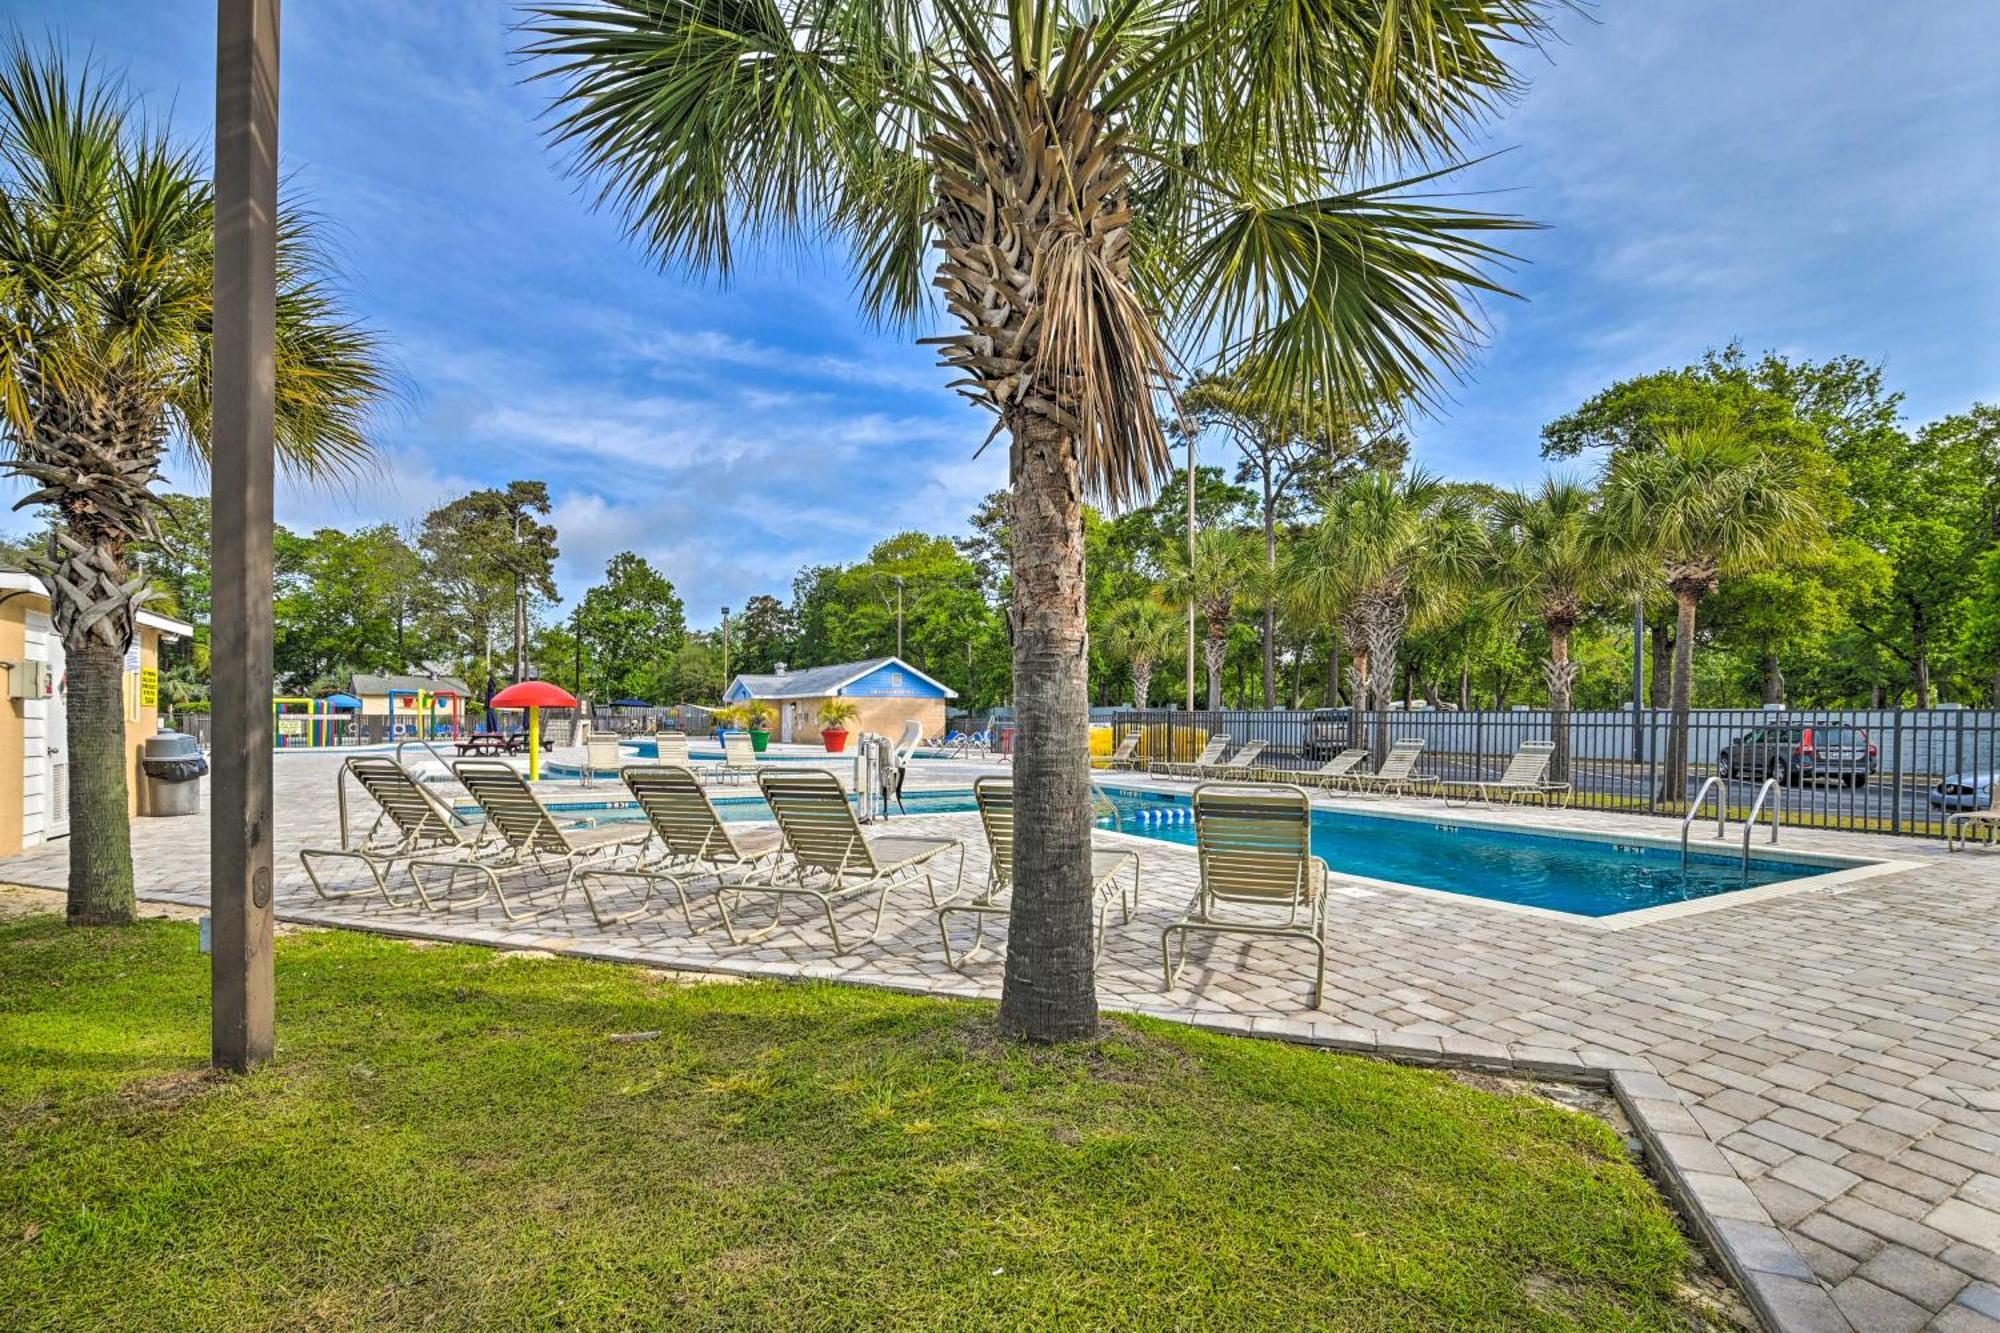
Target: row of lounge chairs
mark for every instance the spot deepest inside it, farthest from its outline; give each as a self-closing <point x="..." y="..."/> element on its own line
<point x="603" y="753"/>
<point x="1526" y="775"/>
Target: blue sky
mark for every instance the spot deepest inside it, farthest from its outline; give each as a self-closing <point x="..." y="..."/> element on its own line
<point x="1815" y="176"/>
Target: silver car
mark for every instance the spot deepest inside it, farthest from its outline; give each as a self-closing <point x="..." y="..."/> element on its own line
<point x="1964" y="791"/>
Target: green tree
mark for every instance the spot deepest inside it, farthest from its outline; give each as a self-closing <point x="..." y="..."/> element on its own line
<point x="1388" y="547"/>
<point x="762" y="635"/>
<point x="1141" y="632"/>
<point x="1083" y="187"/>
<point x="339" y="605"/>
<point x="488" y="556"/>
<point x="1547" y="563"/>
<point x="1286" y="442"/>
<point x="631" y="625"/>
<point x="1214" y="577"/>
<point x="1702" y="505"/>
<point x="107" y="281"/>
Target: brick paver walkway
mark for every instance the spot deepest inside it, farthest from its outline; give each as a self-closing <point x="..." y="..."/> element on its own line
<point x="1816" y="1073"/>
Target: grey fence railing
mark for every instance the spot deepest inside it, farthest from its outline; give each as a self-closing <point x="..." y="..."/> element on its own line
<point x="1872" y="770"/>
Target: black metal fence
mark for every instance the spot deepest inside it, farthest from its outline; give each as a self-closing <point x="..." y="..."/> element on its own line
<point x="1872" y="770"/>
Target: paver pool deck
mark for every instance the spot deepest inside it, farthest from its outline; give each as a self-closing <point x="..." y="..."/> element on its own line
<point x="1815" y="1071"/>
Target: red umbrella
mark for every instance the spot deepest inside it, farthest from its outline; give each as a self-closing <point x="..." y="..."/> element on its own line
<point x="534" y="695"/>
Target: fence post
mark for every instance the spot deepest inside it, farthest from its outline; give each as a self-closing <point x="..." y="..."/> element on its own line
<point x="1652" y="761"/>
<point x="1896" y="772"/>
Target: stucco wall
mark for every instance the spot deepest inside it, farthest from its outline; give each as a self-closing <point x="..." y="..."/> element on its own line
<point x="884" y="716"/>
<point x="140" y="722"/>
<point x="13" y="645"/>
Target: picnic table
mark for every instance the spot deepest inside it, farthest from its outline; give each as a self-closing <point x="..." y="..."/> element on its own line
<point x="499" y="742"/>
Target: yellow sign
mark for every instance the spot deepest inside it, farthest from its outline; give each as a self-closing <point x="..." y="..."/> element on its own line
<point x="149" y="687"/>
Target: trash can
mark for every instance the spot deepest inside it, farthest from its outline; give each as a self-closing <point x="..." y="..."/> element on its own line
<point x="173" y="765"/>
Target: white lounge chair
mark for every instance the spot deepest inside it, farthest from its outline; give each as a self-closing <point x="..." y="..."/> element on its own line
<point x="1254" y="845"/>
<point x="1333" y="773"/>
<point x="694" y="843"/>
<point x="1526" y="775"/>
<point x="601" y="753"/>
<point x="524" y="839"/>
<point x="829" y="858"/>
<point x="1210" y="755"/>
<point x="739" y="758"/>
<point x="412" y="824"/>
<point x="1958" y="825"/>
<point x="1398" y="775"/>
<point x="995" y="797"/>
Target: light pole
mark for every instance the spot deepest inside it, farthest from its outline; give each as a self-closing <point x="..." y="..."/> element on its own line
<point x="899" y="615"/>
<point x="243" y="413"/>
<point x="1639" y="677"/>
<point x="725" y="650"/>
<point x="1186" y="430"/>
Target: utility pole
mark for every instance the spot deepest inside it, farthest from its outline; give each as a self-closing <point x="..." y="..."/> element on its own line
<point x="576" y="635"/>
<point x="1186" y="429"/>
<point x="1638" y="677"/>
<point x="244" y="410"/>
<point x="899" y="615"/>
<point x="725" y="650"/>
<point x="520" y="608"/>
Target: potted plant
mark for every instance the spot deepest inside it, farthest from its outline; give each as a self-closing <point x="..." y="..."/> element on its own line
<point x="726" y="718"/>
<point x="834" y="715"/>
<point x="757" y="720"/>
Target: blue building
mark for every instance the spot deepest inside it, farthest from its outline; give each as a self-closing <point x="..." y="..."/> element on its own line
<point x="887" y="690"/>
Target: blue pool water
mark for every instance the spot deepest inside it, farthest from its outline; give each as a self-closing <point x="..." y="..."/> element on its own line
<point x="1577" y="875"/>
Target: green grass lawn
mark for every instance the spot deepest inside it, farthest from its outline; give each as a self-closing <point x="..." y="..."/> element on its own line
<point x="451" y="1138"/>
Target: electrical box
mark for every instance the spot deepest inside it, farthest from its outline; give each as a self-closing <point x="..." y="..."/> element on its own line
<point x="29" y="680"/>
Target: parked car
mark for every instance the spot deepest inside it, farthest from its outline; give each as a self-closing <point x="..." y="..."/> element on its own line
<point x="1326" y="733"/>
<point x="1796" y="752"/>
<point x="1964" y="791"/>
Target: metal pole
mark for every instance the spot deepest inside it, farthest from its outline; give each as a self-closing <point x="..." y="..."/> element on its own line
<point x="725" y="650"/>
<point x="1638" y="676"/>
<point x="1190" y="526"/>
<point x="246" y="236"/>
<point x="899" y="615"/>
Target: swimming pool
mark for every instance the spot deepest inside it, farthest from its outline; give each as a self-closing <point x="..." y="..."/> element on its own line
<point x="1556" y="872"/>
<point x="1584" y="876"/>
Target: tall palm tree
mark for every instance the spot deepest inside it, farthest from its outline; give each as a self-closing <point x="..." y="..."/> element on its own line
<point x="1141" y="632"/>
<point x="1389" y="546"/>
<point x="1547" y="561"/>
<point x="1221" y="571"/>
<point x="1704" y="504"/>
<point x="106" y="282"/>
<point x="1086" y="185"/>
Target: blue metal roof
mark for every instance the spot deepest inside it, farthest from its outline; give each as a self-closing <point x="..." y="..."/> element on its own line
<point x="878" y="678"/>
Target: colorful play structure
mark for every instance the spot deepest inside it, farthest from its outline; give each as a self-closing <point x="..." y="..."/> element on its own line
<point x="334" y="719"/>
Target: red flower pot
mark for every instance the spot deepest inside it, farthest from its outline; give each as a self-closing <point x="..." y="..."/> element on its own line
<point x="835" y="738"/>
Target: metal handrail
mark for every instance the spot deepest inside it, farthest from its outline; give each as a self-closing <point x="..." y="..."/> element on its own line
<point x="1711" y="783"/>
<point x="1769" y="788"/>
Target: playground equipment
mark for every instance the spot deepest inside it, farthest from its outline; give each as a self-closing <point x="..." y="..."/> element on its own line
<point x="426" y="713"/>
<point x="298" y="720"/>
<point x="534" y="695"/>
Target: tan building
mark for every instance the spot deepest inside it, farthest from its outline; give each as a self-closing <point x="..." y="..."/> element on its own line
<point x="34" y="726"/>
<point x="888" y="691"/>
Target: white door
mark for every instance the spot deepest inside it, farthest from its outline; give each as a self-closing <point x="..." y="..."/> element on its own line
<point x="785" y="723"/>
<point x="44" y="741"/>
<point x="58" y="740"/>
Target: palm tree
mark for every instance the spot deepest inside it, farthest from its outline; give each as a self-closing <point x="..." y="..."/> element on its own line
<point x="1547" y="561"/>
<point x="1704" y="504"/>
<point x="1224" y="570"/>
<point x="106" y="281"/>
<point x="1141" y="631"/>
<point x="1388" y="547"/>
<point x="1084" y="185"/>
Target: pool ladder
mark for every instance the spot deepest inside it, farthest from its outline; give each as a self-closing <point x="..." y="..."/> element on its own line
<point x="1770" y="792"/>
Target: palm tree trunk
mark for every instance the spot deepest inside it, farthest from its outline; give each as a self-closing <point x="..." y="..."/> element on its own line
<point x="1049" y="993"/>
<point x="1270" y="587"/>
<point x="1674" y="770"/>
<point x="1660" y="650"/>
<point x="100" y="841"/>
<point x="1142" y="680"/>
<point x="1357" y="685"/>
<point x="1561" y="672"/>
<point x="1774" y="679"/>
<point x="1213" y="652"/>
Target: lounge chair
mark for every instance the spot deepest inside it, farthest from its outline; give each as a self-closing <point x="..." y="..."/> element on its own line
<point x="1210" y="755"/>
<point x="671" y="747"/>
<point x="829" y="859"/>
<point x="1254" y="849"/>
<point x="1238" y="765"/>
<point x="413" y="823"/>
<point x="526" y="839"/>
<point x="1333" y="773"/>
<point x="1959" y="824"/>
<point x="694" y="842"/>
<point x="995" y="797"/>
<point x="600" y="751"/>
<point x="739" y="758"/>
<point x="1398" y="775"/>
<point x="1526" y="775"/>
<point x="1125" y="754"/>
